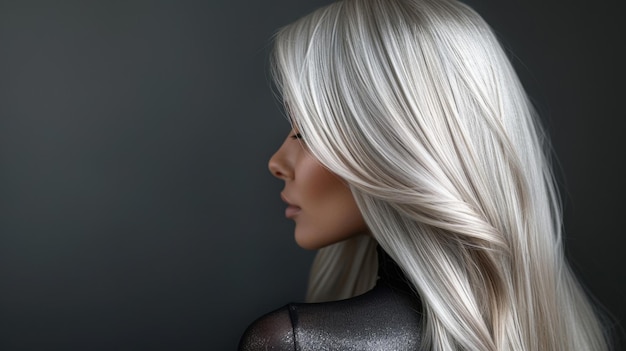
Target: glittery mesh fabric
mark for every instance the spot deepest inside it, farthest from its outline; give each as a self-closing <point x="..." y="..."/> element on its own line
<point x="388" y="317"/>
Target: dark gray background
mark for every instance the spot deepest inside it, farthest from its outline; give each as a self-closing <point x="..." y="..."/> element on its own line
<point x="136" y="211"/>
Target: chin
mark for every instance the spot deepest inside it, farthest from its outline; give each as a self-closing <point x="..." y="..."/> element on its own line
<point x="307" y="244"/>
<point x="310" y="241"/>
<point x="316" y="241"/>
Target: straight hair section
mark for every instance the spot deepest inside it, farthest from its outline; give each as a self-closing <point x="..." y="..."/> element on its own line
<point x="415" y="104"/>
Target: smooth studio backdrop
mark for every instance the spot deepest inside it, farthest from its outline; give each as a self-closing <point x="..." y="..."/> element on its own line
<point x="136" y="209"/>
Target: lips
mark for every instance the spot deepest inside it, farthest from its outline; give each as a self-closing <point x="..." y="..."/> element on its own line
<point x="291" y="210"/>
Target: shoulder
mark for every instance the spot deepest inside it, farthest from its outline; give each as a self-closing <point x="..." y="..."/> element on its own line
<point x="381" y="319"/>
<point x="273" y="331"/>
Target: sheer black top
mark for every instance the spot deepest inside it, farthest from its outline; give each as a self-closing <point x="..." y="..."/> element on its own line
<point x="388" y="317"/>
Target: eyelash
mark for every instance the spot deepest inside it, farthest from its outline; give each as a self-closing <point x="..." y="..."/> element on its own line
<point x="296" y="136"/>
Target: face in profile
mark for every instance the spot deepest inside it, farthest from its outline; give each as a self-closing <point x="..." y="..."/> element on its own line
<point x="320" y="203"/>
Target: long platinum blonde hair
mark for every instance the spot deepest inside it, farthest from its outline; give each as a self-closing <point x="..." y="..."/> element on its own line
<point x="415" y="104"/>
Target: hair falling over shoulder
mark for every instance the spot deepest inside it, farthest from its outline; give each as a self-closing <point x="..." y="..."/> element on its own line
<point x="416" y="105"/>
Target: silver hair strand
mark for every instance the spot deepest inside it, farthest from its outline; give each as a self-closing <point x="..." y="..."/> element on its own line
<point x="416" y="105"/>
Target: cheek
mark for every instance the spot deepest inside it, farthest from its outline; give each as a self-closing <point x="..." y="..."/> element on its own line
<point x="329" y="212"/>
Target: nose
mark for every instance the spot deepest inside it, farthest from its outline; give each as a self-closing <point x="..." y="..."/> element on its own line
<point x="279" y="164"/>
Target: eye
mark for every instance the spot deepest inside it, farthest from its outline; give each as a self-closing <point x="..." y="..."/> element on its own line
<point x="296" y="136"/>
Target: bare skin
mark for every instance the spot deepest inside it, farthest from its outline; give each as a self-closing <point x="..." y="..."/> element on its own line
<point x="320" y="203"/>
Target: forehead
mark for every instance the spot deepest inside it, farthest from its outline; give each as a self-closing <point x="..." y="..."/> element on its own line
<point x="294" y="115"/>
<point x="290" y="114"/>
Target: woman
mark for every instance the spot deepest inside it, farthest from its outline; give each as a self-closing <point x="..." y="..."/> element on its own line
<point x="417" y="166"/>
